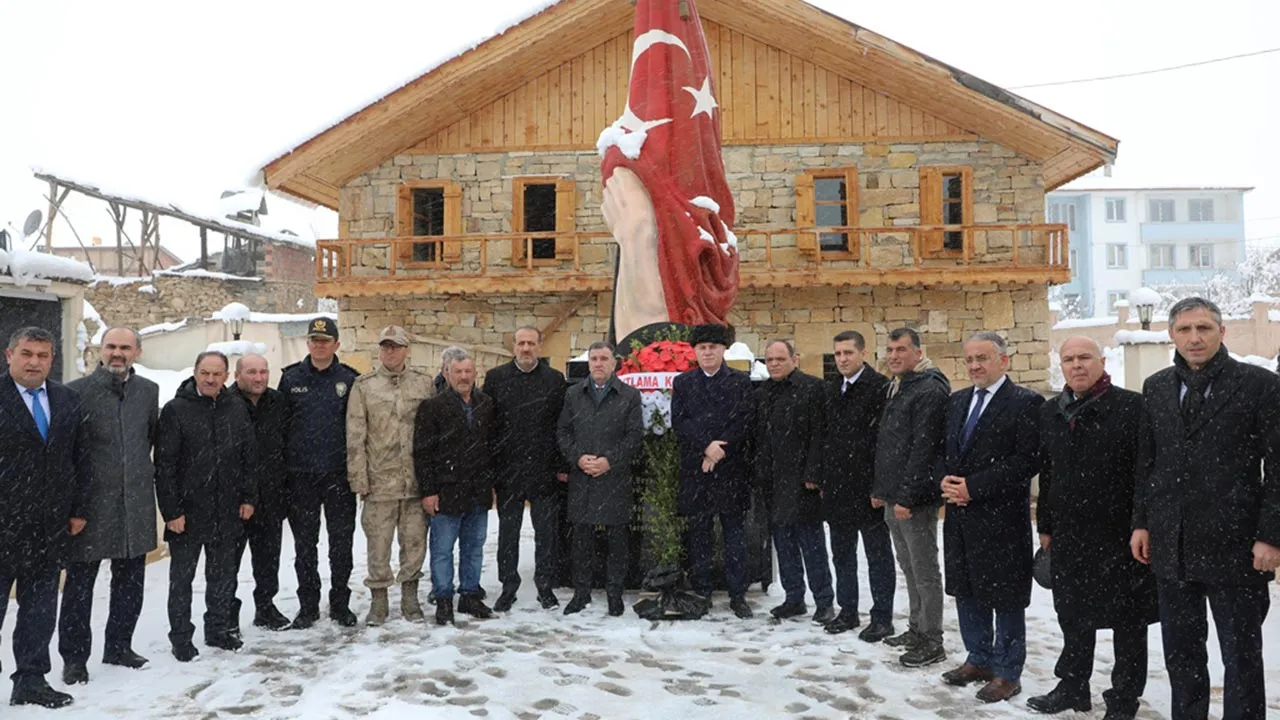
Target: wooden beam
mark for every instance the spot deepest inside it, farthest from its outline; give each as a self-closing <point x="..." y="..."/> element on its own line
<point x="568" y="310"/>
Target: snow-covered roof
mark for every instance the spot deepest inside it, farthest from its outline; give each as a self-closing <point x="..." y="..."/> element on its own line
<point x="198" y="273"/>
<point x="210" y="218"/>
<point x="27" y="265"/>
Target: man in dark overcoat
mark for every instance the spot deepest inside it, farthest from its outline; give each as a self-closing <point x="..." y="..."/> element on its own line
<point x="1088" y="459"/>
<point x="121" y="410"/>
<point x="528" y="395"/>
<point x="789" y="428"/>
<point x="264" y="531"/>
<point x="45" y="476"/>
<point x="1207" y="510"/>
<point x="453" y="444"/>
<point x="854" y="403"/>
<point x="711" y="408"/>
<point x="992" y="452"/>
<point x="206" y="486"/>
<point x="601" y="431"/>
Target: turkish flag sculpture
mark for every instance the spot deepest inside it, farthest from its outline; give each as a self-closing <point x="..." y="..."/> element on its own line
<point x="670" y="137"/>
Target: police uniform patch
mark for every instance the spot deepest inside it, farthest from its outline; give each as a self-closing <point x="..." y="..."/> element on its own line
<point x="341" y="389"/>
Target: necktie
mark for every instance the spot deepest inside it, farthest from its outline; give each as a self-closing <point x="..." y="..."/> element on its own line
<point x="1192" y="404"/>
<point x="972" y="422"/>
<point x="845" y="388"/>
<point x="37" y="411"/>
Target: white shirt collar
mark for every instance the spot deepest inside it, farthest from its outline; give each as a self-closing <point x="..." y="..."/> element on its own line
<point x="995" y="387"/>
<point x="22" y="389"/>
<point x="851" y="380"/>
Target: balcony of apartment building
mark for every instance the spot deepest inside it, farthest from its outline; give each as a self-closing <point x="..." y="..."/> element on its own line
<point x="1170" y="221"/>
<point x="1189" y="263"/>
<point x="769" y="257"/>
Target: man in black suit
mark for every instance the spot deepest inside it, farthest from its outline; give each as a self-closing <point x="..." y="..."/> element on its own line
<point x="45" y="476"/>
<point x="1206" y="511"/>
<point x="993" y="451"/>
<point x="854" y="404"/>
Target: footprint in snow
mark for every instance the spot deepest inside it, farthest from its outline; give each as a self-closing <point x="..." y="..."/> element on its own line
<point x="614" y="688"/>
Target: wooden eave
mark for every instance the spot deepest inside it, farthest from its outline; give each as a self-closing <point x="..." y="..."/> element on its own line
<point x="316" y="169"/>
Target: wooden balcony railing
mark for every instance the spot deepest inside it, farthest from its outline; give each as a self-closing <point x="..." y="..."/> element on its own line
<point x="769" y="257"/>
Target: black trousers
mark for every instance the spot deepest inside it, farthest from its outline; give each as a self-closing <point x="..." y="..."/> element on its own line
<point x="545" y="513"/>
<point x="881" y="572"/>
<point x="37" y="615"/>
<point x="1238" y="612"/>
<point x="584" y="558"/>
<point x="219" y="587"/>
<point x="700" y="543"/>
<point x="262" y="538"/>
<point x="75" y="638"/>
<point x="1128" y="675"/>
<point x="310" y="494"/>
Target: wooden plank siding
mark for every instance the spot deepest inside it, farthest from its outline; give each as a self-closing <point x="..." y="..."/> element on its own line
<point x="766" y="95"/>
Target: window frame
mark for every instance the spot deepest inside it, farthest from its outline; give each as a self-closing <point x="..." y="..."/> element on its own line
<point x="1152" y="216"/>
<point x="1112" y="203"/>
<point x="1195" y="256"/>
<point x="807" y="212"/>
<point x="1124" y="259"/>
<point x="1119" y="296"/>
<point x="1163" y="247"/>
<point x="933" y="206"/>
<point x="452" y="222"/>
<point x="566" y="218"/>
<point x="1200" y="203"/>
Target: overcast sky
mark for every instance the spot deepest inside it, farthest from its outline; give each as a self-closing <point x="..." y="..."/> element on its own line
<point x="177" y="102"/>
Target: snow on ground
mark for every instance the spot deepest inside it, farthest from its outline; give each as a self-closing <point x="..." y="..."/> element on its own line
<point x="532" y="663"/>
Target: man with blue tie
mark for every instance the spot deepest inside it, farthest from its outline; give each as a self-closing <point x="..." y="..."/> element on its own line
<point x="44" y="480"/>
<point x="992" y="452"/>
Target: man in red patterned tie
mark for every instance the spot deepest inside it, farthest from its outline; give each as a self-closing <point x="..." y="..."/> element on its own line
<point x="666" y="200"/>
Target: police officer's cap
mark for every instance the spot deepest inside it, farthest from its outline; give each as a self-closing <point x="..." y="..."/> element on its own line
<point x="323" y="326"/>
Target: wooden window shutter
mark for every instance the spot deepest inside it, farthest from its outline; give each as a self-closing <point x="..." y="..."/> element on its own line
<point x="930" y="209"/>
<point x="519" y="246"/>
<point x="805" y="242"/>
<point x="404" y="222"/>
<point x="566" y="217"/>
<point x="453" y="221"/>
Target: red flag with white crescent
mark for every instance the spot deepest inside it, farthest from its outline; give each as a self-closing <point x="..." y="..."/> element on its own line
<point x="670" y="137"/>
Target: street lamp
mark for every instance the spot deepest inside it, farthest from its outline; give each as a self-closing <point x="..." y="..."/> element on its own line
<point x="1144" y="300"/>
<point x="234" y="315"/>
<point x="237" y="325"/>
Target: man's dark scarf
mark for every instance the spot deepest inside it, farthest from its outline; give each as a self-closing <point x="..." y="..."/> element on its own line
<point x="1071" y="405"/>
<point x="1198" y="382"/>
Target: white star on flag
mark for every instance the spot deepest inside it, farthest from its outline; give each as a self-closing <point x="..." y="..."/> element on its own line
<point x="704" y="101"/>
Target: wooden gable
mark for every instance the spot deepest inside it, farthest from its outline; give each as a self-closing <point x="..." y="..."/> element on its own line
<point x="766" y="94"/>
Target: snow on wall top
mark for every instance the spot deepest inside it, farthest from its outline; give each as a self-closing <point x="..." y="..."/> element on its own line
<point x="1142" y="337"/>
<point x="233" y="311"/>
<point x="28" y="265"/>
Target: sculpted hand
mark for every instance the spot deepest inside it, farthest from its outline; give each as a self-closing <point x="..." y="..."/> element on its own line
<point x="901" y="513"/>
<point x="246" y="511"/>
<point x="431" y="504"/>
<point x="628" y="210"/>
<point x="178" y="526"/>
<point x="77" y="525"/>
<point x="1266" y="558"/>
<point x="1140" y="545"/>
<point x="639" y="298"/>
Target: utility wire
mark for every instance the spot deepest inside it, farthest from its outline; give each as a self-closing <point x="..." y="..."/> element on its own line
<point x="1147" y="72"/>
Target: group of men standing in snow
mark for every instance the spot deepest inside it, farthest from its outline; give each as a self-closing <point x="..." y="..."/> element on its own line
<point x="1152" y="503"/>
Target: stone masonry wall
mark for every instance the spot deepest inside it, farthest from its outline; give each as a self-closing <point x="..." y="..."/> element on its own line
<point x="175" y="297"/>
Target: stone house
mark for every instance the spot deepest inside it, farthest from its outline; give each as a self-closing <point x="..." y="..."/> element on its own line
<point x="874" y="186"/>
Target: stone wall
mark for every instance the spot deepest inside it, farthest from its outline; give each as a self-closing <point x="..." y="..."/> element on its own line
<point x="944" y="316"/>
<point x="170" y="298"/>
<point x="288" y="263"/>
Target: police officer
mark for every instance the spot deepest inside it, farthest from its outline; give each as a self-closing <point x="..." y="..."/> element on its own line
<point x="316" y="453"/>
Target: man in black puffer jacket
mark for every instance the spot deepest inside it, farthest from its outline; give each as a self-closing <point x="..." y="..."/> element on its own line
<point x="206" y="486"/>
<point x="909" y="445"/>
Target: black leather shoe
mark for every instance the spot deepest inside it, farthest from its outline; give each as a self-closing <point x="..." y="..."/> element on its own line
<point x="505" y="601"/>
<point x="75" y="674"/>
<point x="305" y="619"/>
<point x="444" y="611"/>
<point x="547" y="599"/>
<point x="925" y="652"/>
<point x="740" y="608"/>
<point x="844" y="622"/>
<point x="908" y="639"/>
<point x="472" y="605"/>
<point x="576" y="604"/>
<point x="185" y="652"/>
<point x="789" y="610"/>
<point x="824" y="615"/>
<point x="37" y="692"/>
<point x="875" y="632"/>
<point x="226" y="641"/>
<point x="271" y="618"/>
<point x="616" y="608"/>
<point x="124" y="657"/>
<point x="1062" y="698"/>
<point x="342" y="615"/>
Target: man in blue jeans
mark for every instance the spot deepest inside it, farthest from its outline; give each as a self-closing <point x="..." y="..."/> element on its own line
<point x="453" y="449"/>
